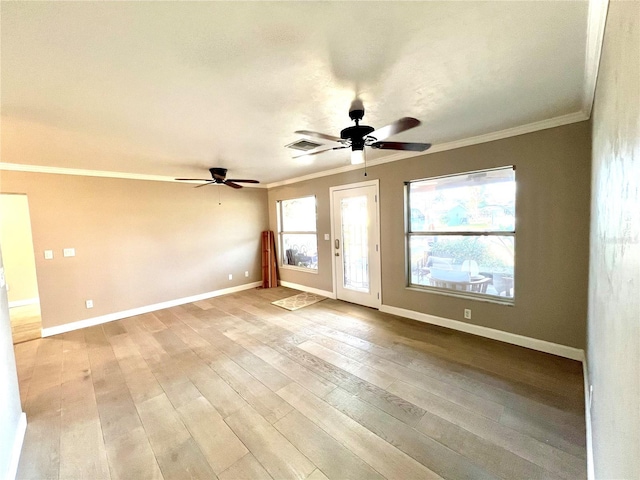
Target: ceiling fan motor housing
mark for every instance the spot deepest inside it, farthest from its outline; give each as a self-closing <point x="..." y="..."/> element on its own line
<point x="216" y="173"/>
<point x="356" y="134"/>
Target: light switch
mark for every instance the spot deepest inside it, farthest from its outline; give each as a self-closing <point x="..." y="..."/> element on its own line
<point x="327" y="236"/>
<point x="69" y="252"/>
<point x="48" y="254"/>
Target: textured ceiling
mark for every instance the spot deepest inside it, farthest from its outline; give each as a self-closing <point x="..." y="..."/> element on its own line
<point x="172" y="88"/>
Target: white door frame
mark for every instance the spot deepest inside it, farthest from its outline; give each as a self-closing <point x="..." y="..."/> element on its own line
<point x="375" y="183"/>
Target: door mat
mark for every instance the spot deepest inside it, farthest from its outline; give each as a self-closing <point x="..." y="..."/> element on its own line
<point x="299" y="301"/>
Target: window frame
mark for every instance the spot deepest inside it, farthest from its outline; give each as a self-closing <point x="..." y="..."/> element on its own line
<point x="409" y="234"/>
<point x="281" y="233"/>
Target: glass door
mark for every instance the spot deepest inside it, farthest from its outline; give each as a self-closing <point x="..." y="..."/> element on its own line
<point x="356" y="245"/>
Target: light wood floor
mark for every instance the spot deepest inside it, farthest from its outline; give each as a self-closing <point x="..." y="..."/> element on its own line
<point x="236" y="388"/>
<point x="26" y="323"/>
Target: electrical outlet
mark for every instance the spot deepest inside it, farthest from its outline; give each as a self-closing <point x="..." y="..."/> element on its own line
<point x="467" y="313"/>
<point x="246" y="273"/>
<point x="69" y="252"/>
<point x="230" y="276"/>
<point x="48" y="254"/>
<point x="89" y="303"/>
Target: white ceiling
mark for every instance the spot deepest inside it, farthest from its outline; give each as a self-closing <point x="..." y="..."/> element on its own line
<point x="172" y="88"/>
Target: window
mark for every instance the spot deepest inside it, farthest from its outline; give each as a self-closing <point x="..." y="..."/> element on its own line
<point x="461" y="233"/>
<point x="297" y="233"/>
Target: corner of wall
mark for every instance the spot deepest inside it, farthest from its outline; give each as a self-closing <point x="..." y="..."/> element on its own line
<point x="16" y="450"/>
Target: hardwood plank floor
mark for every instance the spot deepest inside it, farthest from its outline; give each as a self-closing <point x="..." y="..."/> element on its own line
<point x="235" y="388"/>
<point x="26" y="323"/>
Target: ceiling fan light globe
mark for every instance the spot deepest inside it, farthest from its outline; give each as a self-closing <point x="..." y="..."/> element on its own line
<point x="357" y="157"/>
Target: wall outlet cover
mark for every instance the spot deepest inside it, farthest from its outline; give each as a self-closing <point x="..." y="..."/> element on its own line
<point x="48" y="254"/>
<point x="69" y="252"/>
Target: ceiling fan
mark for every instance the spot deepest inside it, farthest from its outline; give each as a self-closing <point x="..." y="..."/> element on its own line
<point x="359" y="136"/>
<point x="219" y="177"/>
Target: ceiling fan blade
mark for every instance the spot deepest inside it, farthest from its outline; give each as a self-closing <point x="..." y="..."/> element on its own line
<point x="324" y="136"/>
<point x="405" y="123"/>
<point x="412" y="147"/>
<point x="236" y="180"/>
<point x="231" y="184"/>
<point x="315" y="152"/>
<point x="192" y="179"/>
<point x="209" y="182"/>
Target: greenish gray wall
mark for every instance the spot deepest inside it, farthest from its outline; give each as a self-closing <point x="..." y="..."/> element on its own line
<point x="552" y="239"/>
<point x="614" y="289"/>
<point x="319" y="187"/>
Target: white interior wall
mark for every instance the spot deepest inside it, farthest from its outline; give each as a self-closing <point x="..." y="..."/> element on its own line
<point x="12" y="420"/>
<point x="614" y="303"/>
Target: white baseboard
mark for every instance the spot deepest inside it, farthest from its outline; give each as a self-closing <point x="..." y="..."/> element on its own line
<point x="90" y="322"/>
<point x="304" y="288"/>
<point x="24" y="303"/>
<point x="591" y="473"/>
<point x="532" y="343"/>
<point x="17" y="447"/>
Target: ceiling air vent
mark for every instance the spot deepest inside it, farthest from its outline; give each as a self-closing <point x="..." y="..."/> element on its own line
<point x="304" y="145"/>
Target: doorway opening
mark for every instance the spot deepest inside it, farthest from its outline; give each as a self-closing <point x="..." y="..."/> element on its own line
<point x="16" y="241"/>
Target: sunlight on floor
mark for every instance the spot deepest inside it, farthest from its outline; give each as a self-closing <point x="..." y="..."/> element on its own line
<point x="25" y="323"/>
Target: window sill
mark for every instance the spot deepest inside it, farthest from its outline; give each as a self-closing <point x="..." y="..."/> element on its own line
<point x="299" y="269"/>
<point x="508" y="301"/>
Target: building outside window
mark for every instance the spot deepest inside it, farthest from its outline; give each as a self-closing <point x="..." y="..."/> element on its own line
<point x="461" y="234"/>
<point x="298" y="240"/>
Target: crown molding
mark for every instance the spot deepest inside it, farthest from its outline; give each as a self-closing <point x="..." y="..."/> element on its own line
<point x="465" y="142"/>
<point x="511" y="132"/>
<point x="596" y="20"/>
<point x="488" y="137"/>
<point x="19" y="167"/>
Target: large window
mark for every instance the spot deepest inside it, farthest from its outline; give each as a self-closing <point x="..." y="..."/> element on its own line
<point x="297" y="233"/>
<point x="461" y="233"/>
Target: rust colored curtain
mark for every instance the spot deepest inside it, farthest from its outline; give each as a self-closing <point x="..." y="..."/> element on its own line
<point x="269" y="263"/>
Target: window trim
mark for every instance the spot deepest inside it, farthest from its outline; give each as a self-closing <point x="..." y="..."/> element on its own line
<point x="281" y="233"/>
<point x="509" y="301"/>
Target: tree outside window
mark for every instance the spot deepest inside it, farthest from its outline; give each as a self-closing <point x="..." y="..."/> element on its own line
<point x="461" y="234"/>
<point x="298" y="240"/>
